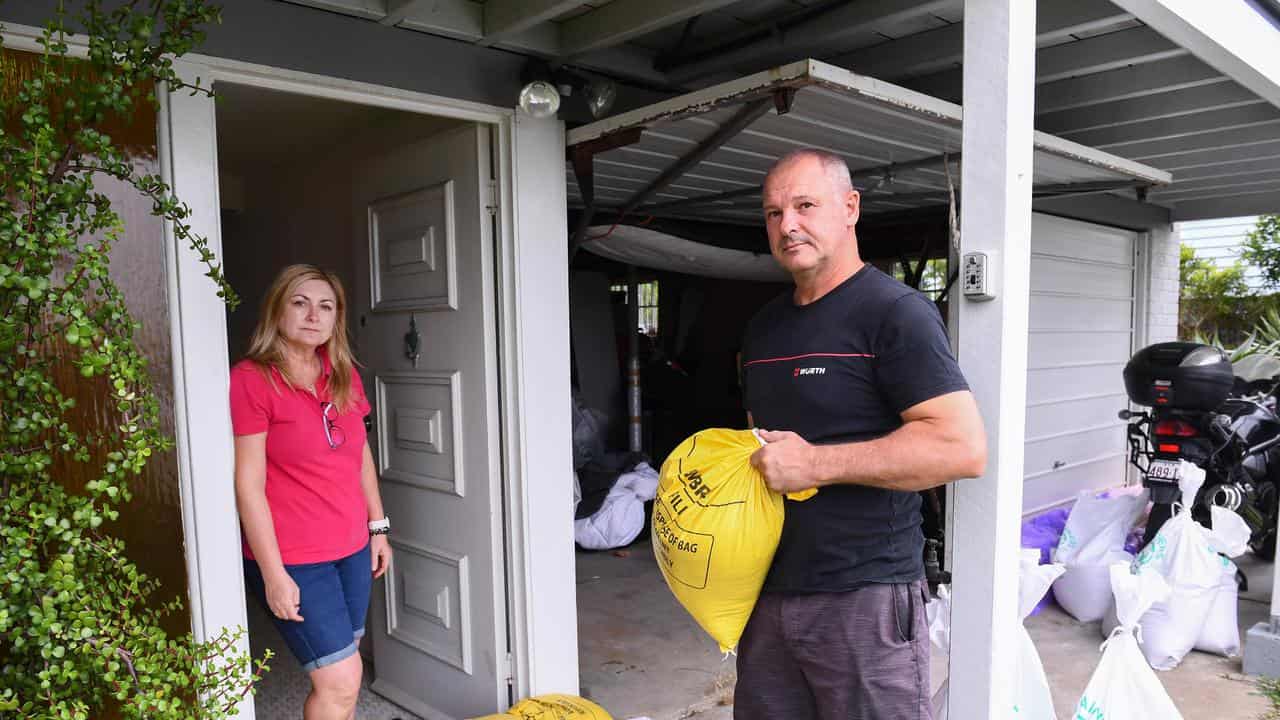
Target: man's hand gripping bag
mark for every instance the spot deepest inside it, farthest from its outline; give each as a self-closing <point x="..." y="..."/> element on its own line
<point x="715" y="528"/>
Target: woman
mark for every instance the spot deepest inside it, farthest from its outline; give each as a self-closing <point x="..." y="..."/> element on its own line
<point x="306" y="488"/>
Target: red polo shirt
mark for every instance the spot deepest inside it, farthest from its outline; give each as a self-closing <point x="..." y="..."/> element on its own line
<point x="313" y="490"/>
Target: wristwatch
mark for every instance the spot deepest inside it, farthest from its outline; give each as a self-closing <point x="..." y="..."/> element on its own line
<point x="380" y="527"/>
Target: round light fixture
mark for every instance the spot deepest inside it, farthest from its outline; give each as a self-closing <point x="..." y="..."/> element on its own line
<point x="540" y="99"/>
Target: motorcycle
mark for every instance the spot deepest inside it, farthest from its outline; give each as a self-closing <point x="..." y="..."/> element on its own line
<point x="1194" y="416"/>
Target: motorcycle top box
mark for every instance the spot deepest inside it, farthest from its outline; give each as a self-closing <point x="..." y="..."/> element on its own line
<point x="1179" y="375"/>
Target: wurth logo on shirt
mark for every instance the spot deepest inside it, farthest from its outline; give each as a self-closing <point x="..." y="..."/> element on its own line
<point x="810" y="371"/>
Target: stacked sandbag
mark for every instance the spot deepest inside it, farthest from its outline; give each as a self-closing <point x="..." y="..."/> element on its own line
<point x="1220" y="633"/>
<point x="1032" y="700"/>
<point x="1194" y="562"/>
<point x="1122" y="686"/>
<point x="1092" y="541"/>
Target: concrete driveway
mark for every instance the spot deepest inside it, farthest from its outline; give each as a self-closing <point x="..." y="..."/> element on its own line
<point x="642" y="655"/>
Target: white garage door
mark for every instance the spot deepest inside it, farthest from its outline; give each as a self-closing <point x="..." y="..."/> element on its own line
<point x="1081" y="336"/>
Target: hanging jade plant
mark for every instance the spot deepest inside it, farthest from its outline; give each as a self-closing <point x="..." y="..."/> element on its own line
<point x="82" y="630"/>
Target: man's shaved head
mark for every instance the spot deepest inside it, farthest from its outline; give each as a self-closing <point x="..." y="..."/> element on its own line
<point x="836" y="168"/>
<point x="810" y="210"/>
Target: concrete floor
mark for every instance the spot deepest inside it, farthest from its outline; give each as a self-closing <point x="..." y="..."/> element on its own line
<point x="640" y="654"/>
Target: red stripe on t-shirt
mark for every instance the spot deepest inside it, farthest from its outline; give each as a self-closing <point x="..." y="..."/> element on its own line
<point x="809" y="355"/>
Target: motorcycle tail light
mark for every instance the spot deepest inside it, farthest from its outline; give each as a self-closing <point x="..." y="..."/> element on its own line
<point x="1169" y="448"/>
<point x="1175" y="428"/>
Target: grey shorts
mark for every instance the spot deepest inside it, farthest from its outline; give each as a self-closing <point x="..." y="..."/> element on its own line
<point x="857" y="655"/>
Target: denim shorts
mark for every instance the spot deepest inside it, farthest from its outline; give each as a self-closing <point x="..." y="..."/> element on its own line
<point x="334" y="598"/>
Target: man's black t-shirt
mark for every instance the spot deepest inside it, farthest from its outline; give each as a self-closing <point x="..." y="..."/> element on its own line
<point x="842" y="369"/>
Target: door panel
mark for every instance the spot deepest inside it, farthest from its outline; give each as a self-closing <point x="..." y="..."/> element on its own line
<point x="438" y="627"/>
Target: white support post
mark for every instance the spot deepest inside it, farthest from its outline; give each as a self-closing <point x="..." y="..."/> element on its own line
<point x="536" y="273"/>
<point x="999" y="90"/>
<point x="1275" y="597"/>
<point x="215" y="578"/>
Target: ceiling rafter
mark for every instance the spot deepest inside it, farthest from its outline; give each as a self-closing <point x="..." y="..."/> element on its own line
<point x="1136" y="81"/>
<point x="812" y="36"/>
<point x="1084" y="59"/>
<point x="943" y="47"/>
<point x="505" y="18"/>
<point x="622" y="20"/>
<point x="1211" y="121"/>
<point x="1214" y="96"/>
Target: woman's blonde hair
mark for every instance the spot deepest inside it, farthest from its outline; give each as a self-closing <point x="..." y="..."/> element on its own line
<point x="267" y="346"/>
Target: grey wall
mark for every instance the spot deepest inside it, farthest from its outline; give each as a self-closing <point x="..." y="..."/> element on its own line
<point x="301" y="38"/>
<point x="295" y="37"/>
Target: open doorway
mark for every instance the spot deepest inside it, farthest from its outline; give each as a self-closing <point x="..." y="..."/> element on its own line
<point x="393" y="203"/>
<point x="640" y="652"/>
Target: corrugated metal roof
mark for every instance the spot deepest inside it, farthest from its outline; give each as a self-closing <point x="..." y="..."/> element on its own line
<point x="872" y="124"/>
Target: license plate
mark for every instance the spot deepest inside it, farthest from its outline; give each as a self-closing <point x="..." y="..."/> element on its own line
<point x="1166" y="470"/>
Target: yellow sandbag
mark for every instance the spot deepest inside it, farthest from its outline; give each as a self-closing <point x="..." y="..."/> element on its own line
<point x="715" y="528"/>
<point x="552" y="707"/>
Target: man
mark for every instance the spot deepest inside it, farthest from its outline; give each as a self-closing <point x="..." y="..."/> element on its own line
<point x="851" y="378"/>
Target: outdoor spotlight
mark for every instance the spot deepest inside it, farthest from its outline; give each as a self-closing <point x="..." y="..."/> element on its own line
<point x="600" y="95"/>
<point x="540" y="99"/>
<point x="545" y="87"/>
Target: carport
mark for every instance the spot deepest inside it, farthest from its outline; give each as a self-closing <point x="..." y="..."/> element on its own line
<point x="703" y="156"/>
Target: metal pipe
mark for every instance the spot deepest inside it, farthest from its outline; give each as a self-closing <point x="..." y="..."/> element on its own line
<point x="633" y="362"/>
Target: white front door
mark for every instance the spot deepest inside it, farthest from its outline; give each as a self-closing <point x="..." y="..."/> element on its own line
<point x="438" y="624"/>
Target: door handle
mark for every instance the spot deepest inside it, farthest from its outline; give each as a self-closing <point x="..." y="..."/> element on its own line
<point x="412" y="341"/>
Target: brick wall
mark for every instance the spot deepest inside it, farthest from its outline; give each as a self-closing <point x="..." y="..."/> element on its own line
<point x="1162" y="306"/>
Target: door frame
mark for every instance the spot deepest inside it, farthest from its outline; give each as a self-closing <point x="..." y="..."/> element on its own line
<point x="533" y="358"/>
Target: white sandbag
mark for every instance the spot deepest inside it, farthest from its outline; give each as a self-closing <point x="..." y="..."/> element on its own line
<point x="1220" y="634"/>
<point x="1084" y="591"/>
<point x="1034" y="580"/>
<point x="1181" y="556"/>
<point x="1033" y="701"/>
<point x="1092" y="540"/>
<point x="1186" y="555"/>
<point x="1230" y="534"/>
<point x="939" y="701"/>
<point x="938" y="612"/>
<point x="1123" y="687"/>
<point x="1096" y="527"/>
